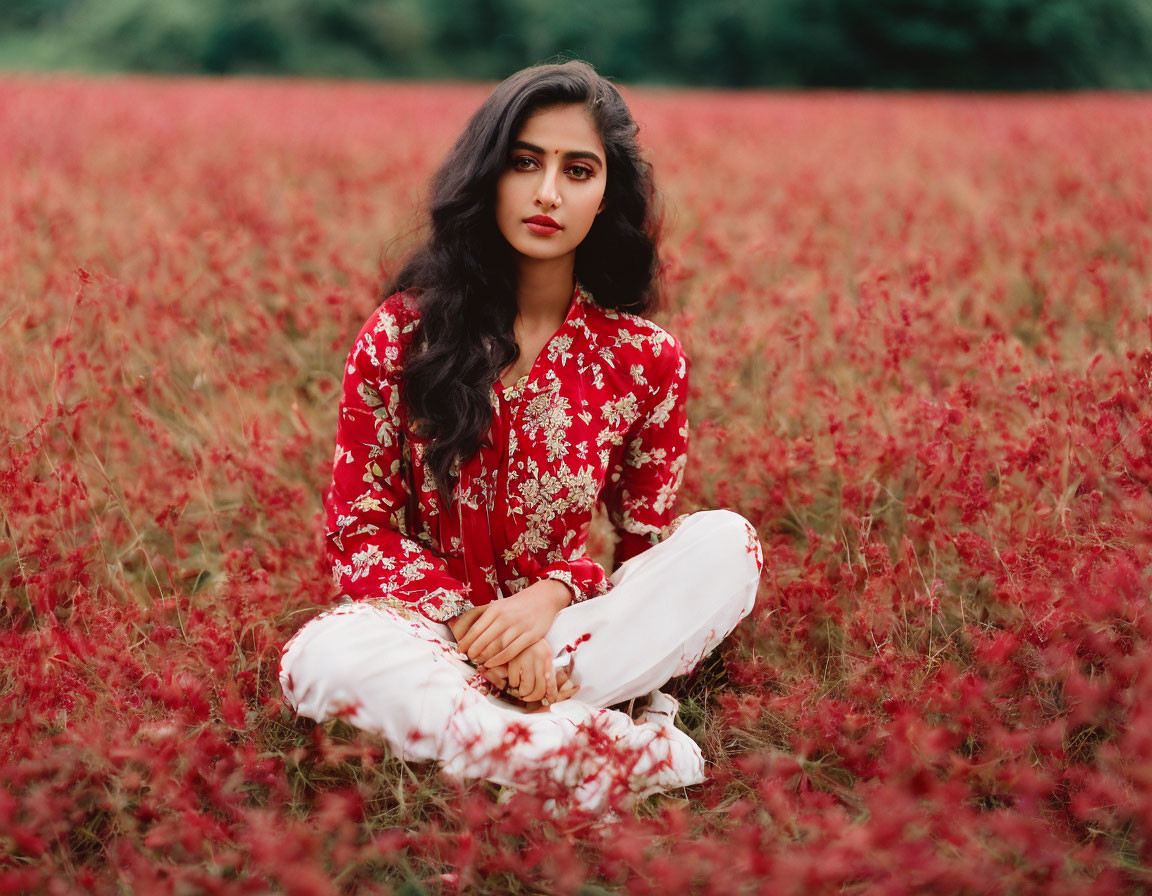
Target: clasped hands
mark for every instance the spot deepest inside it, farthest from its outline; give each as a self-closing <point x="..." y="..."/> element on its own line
<point x="505" y="639"/>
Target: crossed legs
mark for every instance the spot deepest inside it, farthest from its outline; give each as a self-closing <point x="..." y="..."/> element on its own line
<point x="404" y="679"/>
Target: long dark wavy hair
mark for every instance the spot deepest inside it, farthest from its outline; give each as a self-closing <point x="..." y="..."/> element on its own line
<point x="464" y="276"/>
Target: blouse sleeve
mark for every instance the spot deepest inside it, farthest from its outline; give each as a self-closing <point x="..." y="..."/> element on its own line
<point x="641" y="490"/>
<point x="584" y="577"/>
<point x="371" y="554"/>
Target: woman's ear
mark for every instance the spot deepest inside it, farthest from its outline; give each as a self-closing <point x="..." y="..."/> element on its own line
<point x="601" y="208"/>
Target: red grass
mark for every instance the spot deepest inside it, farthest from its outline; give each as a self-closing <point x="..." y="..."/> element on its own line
<point x="920" y="332"/>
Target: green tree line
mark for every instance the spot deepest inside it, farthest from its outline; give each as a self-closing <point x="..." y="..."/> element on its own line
<point x="955" y="44"/>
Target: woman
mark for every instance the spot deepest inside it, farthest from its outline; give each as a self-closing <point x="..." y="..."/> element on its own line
<point x="505" y="386"/>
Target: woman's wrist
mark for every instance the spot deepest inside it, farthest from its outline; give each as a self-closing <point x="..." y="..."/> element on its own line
<point x="562" y="592"/>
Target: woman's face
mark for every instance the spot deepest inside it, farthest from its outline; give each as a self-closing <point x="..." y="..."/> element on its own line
<point x="552" y="186"/>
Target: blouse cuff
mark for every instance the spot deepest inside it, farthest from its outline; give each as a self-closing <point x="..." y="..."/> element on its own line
<point x="441" y="605"/>
<point x="583" y="575"/>
<point x="565" y="576"/>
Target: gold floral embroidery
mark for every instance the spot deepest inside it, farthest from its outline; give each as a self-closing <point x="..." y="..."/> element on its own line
<point x="546" y="420"/>
<point x="601" y="417"/>
<point x="441" y="605"/>
<point x="558" y="349"/>
<point x="618" y="415"/>
<point x="565" y="576"/>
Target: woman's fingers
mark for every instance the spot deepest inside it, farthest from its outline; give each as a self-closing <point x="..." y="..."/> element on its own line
<point x="551" y="690"/>
<point x="498" y="675"/>
<point x="538" y="685"/>
<point x="488" y="644"/>
<point x="491" y="640"/>
<point x="528" y="694"/>
<point x="476" y="629"/>
<point x="509" y="653"/>
<point x="527" y="682"/>
<point x="463" y="623"/>
<point x="481" y="633"/>
<point x="567" y="690"/>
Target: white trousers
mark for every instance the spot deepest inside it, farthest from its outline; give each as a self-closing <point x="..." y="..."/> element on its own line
<point x="402" y="677"/>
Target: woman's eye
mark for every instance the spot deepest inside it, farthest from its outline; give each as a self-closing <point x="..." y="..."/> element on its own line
<point x="581" y="172"/>
<point x="523" y="163"/>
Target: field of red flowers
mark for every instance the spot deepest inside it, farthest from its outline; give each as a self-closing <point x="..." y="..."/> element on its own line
<point x="919" y="328"/>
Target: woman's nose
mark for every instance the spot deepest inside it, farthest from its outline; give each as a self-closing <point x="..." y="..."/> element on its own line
<point x="547" y="191"/>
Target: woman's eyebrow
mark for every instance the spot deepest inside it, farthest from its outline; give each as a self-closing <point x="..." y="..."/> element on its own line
<point x="571" y="154"/>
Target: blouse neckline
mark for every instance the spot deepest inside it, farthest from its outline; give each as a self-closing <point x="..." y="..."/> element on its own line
<point x="510" y="391"/>
<point x="575" y="310"/>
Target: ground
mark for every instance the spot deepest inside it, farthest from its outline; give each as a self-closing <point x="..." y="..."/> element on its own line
<point x="919" y="331"/>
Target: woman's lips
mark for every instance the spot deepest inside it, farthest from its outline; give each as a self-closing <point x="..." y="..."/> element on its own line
<point x="542" y="225"/>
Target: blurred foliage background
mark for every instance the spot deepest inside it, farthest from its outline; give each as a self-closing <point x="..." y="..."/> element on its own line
<point x="954" y="44"/>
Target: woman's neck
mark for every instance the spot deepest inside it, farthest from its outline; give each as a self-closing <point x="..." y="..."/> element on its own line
<point x="544" y="289"/>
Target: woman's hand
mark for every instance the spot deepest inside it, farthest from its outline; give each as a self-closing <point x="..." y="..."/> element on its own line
<point x="508" y="627"/>
<point x="498" y="675"/>
<point x="532" y="677"/>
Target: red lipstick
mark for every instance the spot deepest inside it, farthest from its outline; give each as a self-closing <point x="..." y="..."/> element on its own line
<point x="542" y="225"/>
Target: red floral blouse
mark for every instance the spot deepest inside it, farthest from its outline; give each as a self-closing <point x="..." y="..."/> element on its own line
<point x="600" y="417"/>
